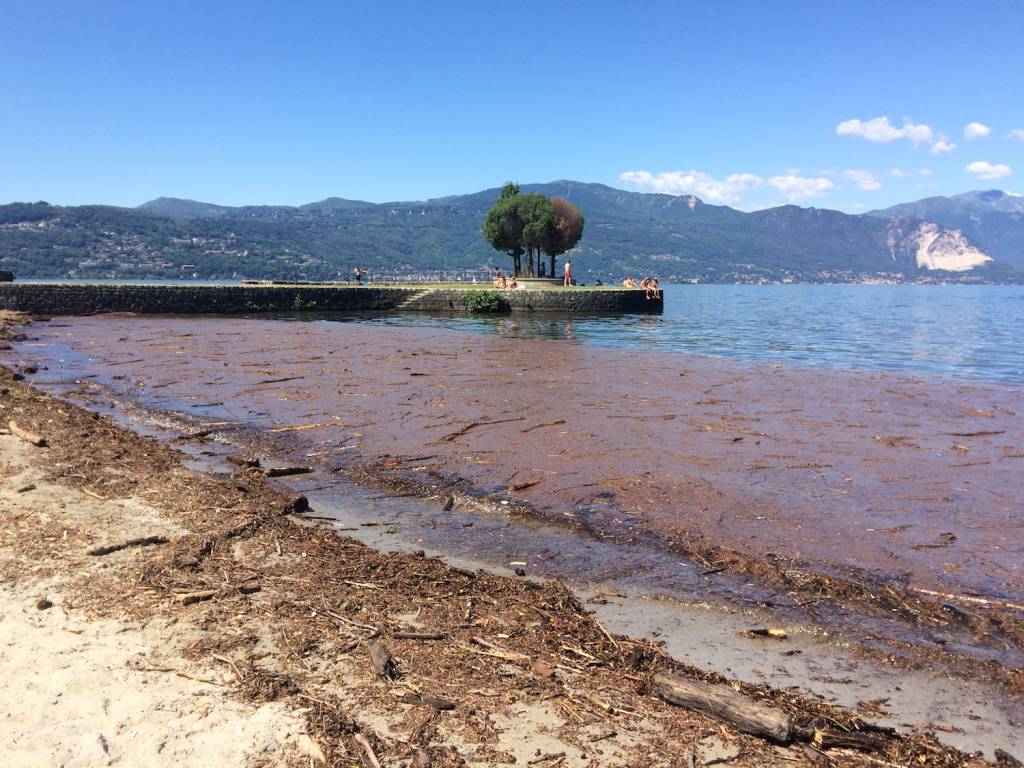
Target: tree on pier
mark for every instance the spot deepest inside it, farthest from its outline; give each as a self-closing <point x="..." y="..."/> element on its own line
<point x="568" y="230"/>
<point x="532" y="225"/>
<point x="503" y="225"/>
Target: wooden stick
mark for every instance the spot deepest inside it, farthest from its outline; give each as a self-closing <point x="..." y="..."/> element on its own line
<point x="29" y="437"/>
<point x="286" y="471"/>
<point x="742" y="712"/>
<point x="145" y="541"/>
<point x="425" y="700"/>
<point x="188" y="598"/>
<point x="363" y="742"/>
<point x="419" y="636"/>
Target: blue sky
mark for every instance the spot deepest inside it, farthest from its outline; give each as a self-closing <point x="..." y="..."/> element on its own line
<point x="746" y="103"/>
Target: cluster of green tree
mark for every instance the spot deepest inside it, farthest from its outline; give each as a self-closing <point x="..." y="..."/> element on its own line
<point x="628" y="234"/>
<point x="532" y="225"/>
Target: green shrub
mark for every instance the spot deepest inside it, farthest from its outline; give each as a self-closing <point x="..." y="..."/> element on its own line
<point x="486" y="303"/>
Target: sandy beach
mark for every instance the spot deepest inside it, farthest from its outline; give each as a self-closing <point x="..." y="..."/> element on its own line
<point x="157" y="614"/>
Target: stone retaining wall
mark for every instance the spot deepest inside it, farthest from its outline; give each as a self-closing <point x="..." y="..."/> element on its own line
<point x="89" y="298"/>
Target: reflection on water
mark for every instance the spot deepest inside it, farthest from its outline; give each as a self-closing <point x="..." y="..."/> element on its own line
<point x="962" y="331"/>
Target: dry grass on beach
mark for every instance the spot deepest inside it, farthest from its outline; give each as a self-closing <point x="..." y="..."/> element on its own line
<point x="211" y="625"/>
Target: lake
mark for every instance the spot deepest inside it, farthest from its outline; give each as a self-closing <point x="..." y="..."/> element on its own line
<point x="963" y="331"/>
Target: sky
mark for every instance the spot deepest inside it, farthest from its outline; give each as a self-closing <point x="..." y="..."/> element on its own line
<point x="853" y="105"/>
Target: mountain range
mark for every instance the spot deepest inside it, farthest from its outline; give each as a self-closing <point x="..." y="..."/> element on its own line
<point x="975" y="237"/>
<point x="993" y="218"/>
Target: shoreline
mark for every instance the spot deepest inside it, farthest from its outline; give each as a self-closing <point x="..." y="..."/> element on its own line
<point x="922" y="622"/>
<point x="248" y="584"/>
<point x="399" y="492"/>
<point x="136" y="467"/>
<point x="910" y="472"/>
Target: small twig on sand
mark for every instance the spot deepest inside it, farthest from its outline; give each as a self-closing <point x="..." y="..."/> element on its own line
<point x="363" y="742"/>
<point x="144" y="541"/>
<point x="473" y="424"/>
<point x="547" y="758"/>
<point x="188" y="598"/>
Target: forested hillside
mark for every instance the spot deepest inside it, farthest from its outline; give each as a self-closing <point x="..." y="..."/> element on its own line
<point x="627" y="233"/>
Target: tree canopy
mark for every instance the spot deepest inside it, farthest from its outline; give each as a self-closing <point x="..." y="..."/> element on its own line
<point x="532" y="225"/>
<point x="568" y="229"/>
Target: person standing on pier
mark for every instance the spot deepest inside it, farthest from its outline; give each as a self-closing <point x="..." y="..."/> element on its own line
<point x="567" y="275"/>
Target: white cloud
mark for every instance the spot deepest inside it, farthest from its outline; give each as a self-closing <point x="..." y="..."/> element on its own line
<point x="974" y="131"/>
<point x="924" y="172"/>
<point x="792" y="186"/>
<point x="942" y="146"/>
<point x="864" y="179"/>
<point x="879" y="130"/>
<point x="982" y="169"/>
<point x="899" y="173"/>
<point x="1017" y="134"/>
<point x="796" y="188"/>
<point x="727" y="190"/>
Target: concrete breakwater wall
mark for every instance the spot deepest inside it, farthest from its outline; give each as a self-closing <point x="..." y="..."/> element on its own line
<point x="184" y="299"/>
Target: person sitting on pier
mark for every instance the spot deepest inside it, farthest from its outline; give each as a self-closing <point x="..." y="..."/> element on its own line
<point x="513" y="284"/>
<point x="653" y="292"/>
<point x="629" y="282"/>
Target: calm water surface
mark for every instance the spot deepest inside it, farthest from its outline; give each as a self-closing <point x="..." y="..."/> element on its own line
<point x="954" y="330"/>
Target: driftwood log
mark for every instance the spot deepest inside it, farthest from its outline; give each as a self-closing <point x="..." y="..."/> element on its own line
<point x="29" y="437"/>
<point x="829" y="738"/>
<point x="722" y="702"/>
<point x="286" y="471"/>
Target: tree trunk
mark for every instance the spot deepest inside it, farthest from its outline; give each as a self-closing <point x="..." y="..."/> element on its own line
<point x="553" y="259"/>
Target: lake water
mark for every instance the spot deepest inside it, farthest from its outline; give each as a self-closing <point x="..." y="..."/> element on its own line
<point x="955" y="330"/>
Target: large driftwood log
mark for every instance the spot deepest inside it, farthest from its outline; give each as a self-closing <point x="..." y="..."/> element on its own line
<point x="29" y="437"/>
<point x="739" y="711"/>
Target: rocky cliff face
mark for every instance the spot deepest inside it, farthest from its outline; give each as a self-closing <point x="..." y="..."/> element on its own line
<point x="933" y="247"/>
<point x="993" y="219"/>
